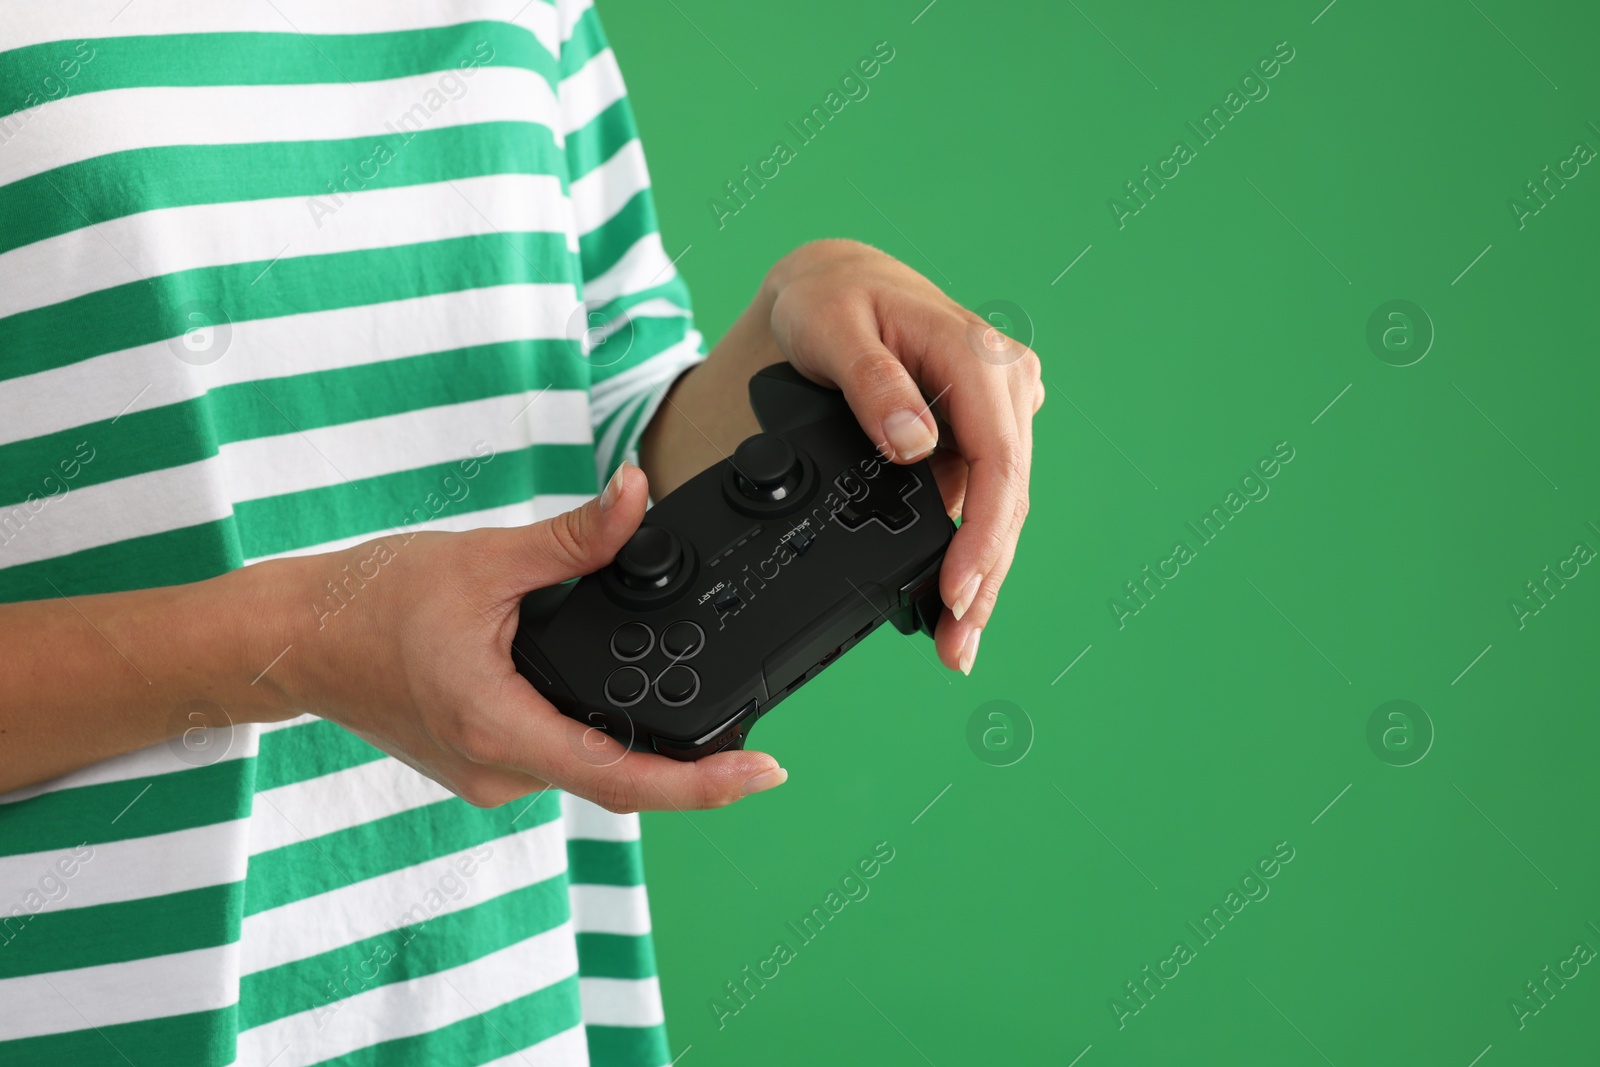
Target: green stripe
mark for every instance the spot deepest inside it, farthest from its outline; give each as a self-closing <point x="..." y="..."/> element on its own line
<point x="391" y="501"/>
<point x="145" y="312"/>
<point x="600" y="138"/>
<point x="602" y="246"/>
<point x="193" y="429"/>
<point x="128" y="930"/>
<point x="144" y="179"/>
<point x="345" y="394"/>
<point x="170" y="558"/>
<point x="141" y="441"/>
<point x="651" y="335"/>
<point x="479" y="1038"/>
<point x="628" y="1046"/>
<point x="201" y="1039"/>
<point x="587" y="41"/>
<point x="288" y="58"/>
<point x="344" y="857"/>
<point x="605" y="862"/>
<point x="407" y="951"/>
<point x="616" y="956"/>
<point x="309" y="750"/>
<point x="298" y="520"/>
<point x="118" y="811"/>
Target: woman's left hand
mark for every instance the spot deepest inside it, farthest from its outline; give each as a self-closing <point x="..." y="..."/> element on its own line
<point x="923" y="374"/>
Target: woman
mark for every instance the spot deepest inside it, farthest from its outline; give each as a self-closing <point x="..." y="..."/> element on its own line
<point x="319" y="328"/>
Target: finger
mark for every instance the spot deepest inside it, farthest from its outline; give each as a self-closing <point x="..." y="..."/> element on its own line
<point x="579" y="541"/>
<point x="526" y="734"/>
<point x="950" y="641"/>
<point x="950" y="472"/>
<point x="997" y="447"/>
<point x="879" y="388"/>
<point x="956" y="640"/>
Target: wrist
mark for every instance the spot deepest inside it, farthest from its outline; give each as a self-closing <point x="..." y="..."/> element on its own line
<point x="266" y="641"/>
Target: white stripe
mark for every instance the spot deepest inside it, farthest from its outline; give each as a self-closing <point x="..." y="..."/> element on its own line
<point x="525" y="513"/>
<point x="610" y="909"/>
<point x="80" y="127"/>
<point x="568" y="12"/>
<point x="294" y="462"/>
<point x="569" y="1048"/>
<point x="378" y="905"/>
<point x="113" y="511"/>
<point x="401" y="1009"/>
<point x="338" y="801"/>
<point x="600" y="194"/>
<point x="589" y="90"/>
<point x="72" y="20"/>
<point x="145" y="763"/>
<point x="262" y="349"/>
<point x="621" y="1001"/>
<point x="199" y="236"/>
<point x="667" y="366"/>
<point x="112" y="993"/>
<point x="133" y="869"/>
<point x="608" y="450"/>
<point x="643" y="266"/>
<point x="610" y="394"/>
<point x="284" y="724"/>
<point x="194" y="493"/>
<point x="587" y="820"/>
<point x="657" y="307"/>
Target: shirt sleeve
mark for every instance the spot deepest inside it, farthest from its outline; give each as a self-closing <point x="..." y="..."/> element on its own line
<point x="639" y="331"/>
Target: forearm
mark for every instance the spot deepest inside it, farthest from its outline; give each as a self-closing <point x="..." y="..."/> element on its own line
<point x="85" y="679"/>
<point x="707" y="411"/>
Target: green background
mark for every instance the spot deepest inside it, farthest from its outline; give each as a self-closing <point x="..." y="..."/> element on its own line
<point x="1232" y="710"/>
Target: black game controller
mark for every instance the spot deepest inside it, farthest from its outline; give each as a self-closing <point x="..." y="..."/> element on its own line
<point x="744" y="583"/>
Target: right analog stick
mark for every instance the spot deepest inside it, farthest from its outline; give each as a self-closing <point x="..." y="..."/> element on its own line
<point x="767" y="468"/>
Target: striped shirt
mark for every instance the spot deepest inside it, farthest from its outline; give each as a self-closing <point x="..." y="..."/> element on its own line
<point x="276" y="278"/>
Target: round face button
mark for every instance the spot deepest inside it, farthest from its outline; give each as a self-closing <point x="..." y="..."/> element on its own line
<point x="626" y="686"/>
<point x="677" y="685"/>
<point x="682" y="640"/>
<point x="651" y="558"/>
<point x="631" y="641"/>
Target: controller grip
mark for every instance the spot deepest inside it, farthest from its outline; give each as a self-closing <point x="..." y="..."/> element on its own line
<point x="783" y="399"/>
<point x="538" y="608"/>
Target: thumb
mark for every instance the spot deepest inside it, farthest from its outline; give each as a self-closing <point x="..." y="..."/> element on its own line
<point x="582" y="540"/>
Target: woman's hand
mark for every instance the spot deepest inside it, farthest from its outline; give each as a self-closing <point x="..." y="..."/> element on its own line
<point x="418" y="662"/>
<point x="907" y="358"/>
<point x="413" y="654"/>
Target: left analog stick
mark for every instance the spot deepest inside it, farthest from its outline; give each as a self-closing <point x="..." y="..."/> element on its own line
<point x="651" y="558"/>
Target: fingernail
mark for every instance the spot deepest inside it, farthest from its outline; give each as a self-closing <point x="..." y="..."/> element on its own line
<point x="766" y="780"/>
<point x="613" y="489"/>
<point x="964" y="599"/>
<point x="908" y="434"/>
<point x="969" y="651"/>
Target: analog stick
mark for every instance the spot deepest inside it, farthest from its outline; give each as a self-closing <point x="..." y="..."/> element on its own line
<point x="651" y="558"/>
<point x="766" y="468"/>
